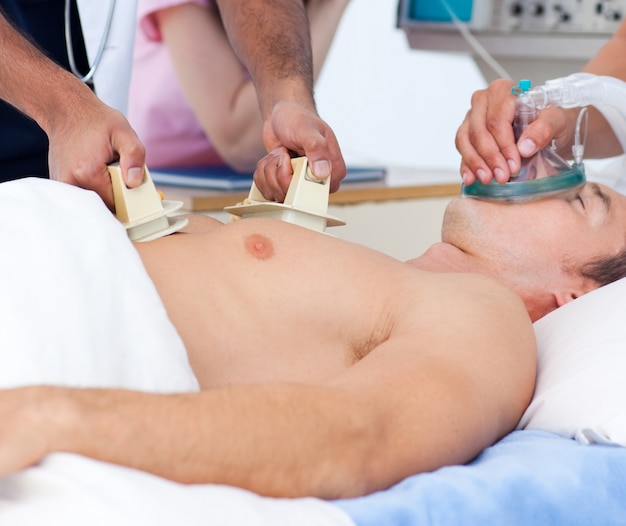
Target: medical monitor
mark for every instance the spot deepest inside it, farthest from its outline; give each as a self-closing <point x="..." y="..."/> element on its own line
<point x="537" y="39"/>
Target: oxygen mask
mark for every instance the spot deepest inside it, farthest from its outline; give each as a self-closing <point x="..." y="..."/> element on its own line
<point x="544" y="174"/>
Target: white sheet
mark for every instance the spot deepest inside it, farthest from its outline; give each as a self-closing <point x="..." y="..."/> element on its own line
<point x="77" y="308"/>
<point x="70" y="490"/>
<point x="112" y="76"/>
<point x="76" y="304"/>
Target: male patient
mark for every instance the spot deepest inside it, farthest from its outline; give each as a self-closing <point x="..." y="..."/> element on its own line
<point x="327" y="368"/>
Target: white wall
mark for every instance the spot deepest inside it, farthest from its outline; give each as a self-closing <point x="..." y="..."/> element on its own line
<point x="390" y="104"/>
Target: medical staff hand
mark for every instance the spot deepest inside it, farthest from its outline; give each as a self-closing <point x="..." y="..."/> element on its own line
<point x="84" y="141"/>
<point x="84" y="134"/>
<point x="297" y="129"/>
<point x="486" y="142"/>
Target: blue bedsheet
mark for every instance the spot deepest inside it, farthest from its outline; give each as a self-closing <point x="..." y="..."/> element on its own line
<point x="528" y="478"/>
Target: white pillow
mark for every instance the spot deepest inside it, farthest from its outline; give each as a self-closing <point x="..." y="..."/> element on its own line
<point x="580" y="391"/>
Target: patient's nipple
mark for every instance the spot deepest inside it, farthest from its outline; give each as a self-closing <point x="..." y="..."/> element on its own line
<point x="259" y="246"/>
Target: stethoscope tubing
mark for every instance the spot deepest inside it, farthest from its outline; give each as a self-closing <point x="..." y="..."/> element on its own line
<point x="103" y="41"/>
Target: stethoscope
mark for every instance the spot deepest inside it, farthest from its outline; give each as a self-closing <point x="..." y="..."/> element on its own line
<point x="103" y="41"/>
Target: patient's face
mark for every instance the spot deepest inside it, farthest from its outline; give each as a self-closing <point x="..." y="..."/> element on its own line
<point x="563" y="231"/>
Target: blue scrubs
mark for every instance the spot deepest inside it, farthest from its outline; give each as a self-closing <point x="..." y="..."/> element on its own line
<point x="23" y="144"/>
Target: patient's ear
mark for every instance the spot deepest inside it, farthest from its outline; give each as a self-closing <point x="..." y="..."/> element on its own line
<point x="561" y="297"/>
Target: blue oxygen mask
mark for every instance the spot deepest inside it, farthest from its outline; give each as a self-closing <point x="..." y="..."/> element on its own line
<point x="544" y="174"/>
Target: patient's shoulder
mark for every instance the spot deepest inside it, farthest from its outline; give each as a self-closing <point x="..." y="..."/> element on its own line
<point x="481" y="316"/>
<point x="476" y="287"/>
<point x="491" y="305"/>
<point x="480" y="328"/>
<point x="464" y="288"/>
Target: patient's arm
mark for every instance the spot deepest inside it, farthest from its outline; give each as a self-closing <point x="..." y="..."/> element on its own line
<point x="420" y="400"/>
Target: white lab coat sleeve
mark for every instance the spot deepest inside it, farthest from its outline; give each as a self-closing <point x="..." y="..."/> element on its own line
<point x="112" y="76"/>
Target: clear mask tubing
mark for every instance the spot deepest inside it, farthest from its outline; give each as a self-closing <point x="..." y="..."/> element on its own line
<point x="542" y="175"/>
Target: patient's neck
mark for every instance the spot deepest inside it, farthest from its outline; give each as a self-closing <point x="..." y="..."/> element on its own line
<point x="444" y="257"/>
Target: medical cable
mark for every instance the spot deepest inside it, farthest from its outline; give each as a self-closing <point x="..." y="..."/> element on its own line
<point x="103" y="41"/>
<point x="578" y="148"/>
<point x="474" y="43"/>
<point x="606" y="94"/>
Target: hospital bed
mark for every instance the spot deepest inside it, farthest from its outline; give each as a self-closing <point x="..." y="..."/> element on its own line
<point x="566" y="464"/>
